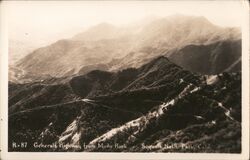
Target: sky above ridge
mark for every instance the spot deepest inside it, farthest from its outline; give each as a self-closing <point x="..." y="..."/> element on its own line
<point x="50" y="20"/>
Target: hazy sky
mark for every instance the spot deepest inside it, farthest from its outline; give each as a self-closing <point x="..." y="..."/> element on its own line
<point x="43" y="20"/>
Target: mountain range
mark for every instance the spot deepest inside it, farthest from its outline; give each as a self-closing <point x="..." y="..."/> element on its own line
<point x="158" y="104"/>
<point x="167" y="85"/>
<point x="113" y="48"/>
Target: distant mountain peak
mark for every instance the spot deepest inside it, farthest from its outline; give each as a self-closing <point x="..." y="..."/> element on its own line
<point x="131" y="46"/>
<point x="177" y="17"/>
<point x="98" y="32"/>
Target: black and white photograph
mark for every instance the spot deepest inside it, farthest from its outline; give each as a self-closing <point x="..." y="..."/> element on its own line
<point x="123" y="77"/>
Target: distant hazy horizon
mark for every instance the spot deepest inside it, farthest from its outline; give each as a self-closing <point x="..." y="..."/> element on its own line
<point x="43" y="22"/>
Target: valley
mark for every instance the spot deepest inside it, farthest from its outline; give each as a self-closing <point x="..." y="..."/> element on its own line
<point x="170" y="84"/>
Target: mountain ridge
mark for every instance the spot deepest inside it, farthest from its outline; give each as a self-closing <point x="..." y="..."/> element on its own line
<point x="125" y="48"/>
<point x="157" y="104"/>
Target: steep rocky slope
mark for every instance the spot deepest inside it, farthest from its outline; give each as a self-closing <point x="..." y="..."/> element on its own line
<point x="157" y="107"/>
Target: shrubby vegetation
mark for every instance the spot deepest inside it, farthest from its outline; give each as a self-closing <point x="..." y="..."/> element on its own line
<point x="206" y="120"/>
